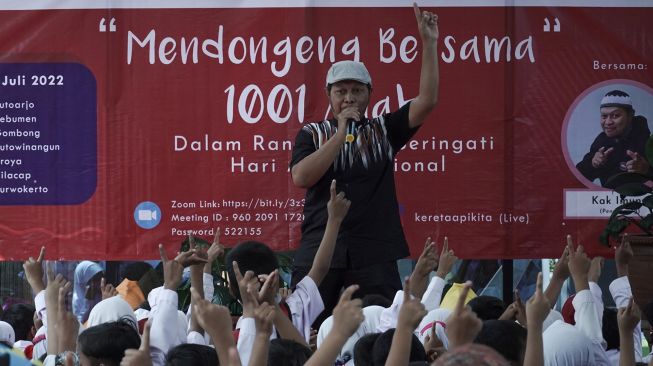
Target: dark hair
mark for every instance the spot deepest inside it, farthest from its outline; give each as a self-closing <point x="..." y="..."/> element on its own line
<point x="107" y="342"/>
<point x="329" y="86"/>
<point x="192" y="354"/>
<point x="504" y="336"/>
<point x="251" y="256"/>
<point x="363" y="349"/>
<point x="376" y="299"/>
<point x="384" y="342"/>
<point x="21" y="318"/>
<point x="610" y="328"/>
<point x="487" y="307"/>
<point x="145" y="305"/>
<point x="647" y="311"/>
<point x="286" y="352"/>
<point x="151" y="280"/>
<point x="135" y="271"/>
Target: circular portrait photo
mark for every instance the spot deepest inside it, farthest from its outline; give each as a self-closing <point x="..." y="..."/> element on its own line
<point x="605" y="132"/>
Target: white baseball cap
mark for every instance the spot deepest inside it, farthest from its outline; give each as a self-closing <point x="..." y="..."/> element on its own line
<point x="348" y="70"/>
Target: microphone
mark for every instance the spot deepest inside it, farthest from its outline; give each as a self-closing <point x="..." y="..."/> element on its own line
<point x="350" y="130"/>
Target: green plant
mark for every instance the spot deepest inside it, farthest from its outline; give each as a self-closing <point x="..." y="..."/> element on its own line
<point x="635" y="192"/>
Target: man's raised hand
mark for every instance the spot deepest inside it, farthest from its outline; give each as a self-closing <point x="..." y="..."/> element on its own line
<point x="427" y="24"/>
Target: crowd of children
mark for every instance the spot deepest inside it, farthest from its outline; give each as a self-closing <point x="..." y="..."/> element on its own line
<point x="419" y="326"/>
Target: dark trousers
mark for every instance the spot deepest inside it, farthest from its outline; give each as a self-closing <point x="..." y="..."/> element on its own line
<point x="381" y="279"/>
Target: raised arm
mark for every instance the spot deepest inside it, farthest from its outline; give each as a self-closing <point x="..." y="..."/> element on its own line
<point x="560" y="274"/>
<point x="429" y="79"/>
<point x="537" y="309"/>
<point x="426" y="263"/>
<point x="34" y="272"/>
<point x="263" y="315"/>
<point x="196" y="281"/>
<point x="433" y="294"/>
<point x="628" y="319"/>
<point x="347" y="316"/>
<point x="621" y="291"/>
<point x="337" y="207"/>
<point x="411" y="313"/>
<point x="216" y="320"/>
<point x="463" y="325"/>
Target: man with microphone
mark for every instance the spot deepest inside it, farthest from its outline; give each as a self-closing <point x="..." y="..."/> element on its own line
<point x="359" y="154"/>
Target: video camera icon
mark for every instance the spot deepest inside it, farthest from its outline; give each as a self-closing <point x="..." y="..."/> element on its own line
<point x="147" y="215"/>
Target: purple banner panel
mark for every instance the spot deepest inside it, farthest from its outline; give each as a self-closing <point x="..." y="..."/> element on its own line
<point x="48" y="134"/>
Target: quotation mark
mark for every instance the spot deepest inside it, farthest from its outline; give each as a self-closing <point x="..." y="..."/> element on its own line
<point x="103" y="25"/>
<point x="547" y="25"/>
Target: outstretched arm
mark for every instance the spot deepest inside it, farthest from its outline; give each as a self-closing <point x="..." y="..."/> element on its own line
<point x="411" y="314"/>
<point x="429" y="79"/>
<point x="337" y="207"/>
<point x="537" y="309"/>
<point x="560" y="274"/>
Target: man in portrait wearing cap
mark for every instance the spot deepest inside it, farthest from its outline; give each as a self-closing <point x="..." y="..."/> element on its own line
<point x="620" y="147"/>
<point x="359" y="153"/>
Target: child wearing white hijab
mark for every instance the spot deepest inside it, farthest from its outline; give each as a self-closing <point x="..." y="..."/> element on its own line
<point x="85" y="293"/>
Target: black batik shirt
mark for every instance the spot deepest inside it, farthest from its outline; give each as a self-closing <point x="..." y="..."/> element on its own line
<point x="371" y="232"/>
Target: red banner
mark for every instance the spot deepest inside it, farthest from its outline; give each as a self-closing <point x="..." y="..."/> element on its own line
<point x="124" y="128"/>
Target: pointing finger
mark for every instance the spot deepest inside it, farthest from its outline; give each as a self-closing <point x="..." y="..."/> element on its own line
<point x="41" y="255"/>
<point x="346" y="295"/>
<point x="406" y="290"/>
<point x="216" y="238"/>
<point x="49" y="273"/>
<point x="239" y="275"/>
<point x="418" y="13"/>
<point x="162" y="253"/>
<point x="333" y="189"/>
<point x="570" y="245"/>
<point x="633" y="155"/>
<point x="538" y="286"/>
<point x="145" y="339"/>
<point x="460" y="305"/>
